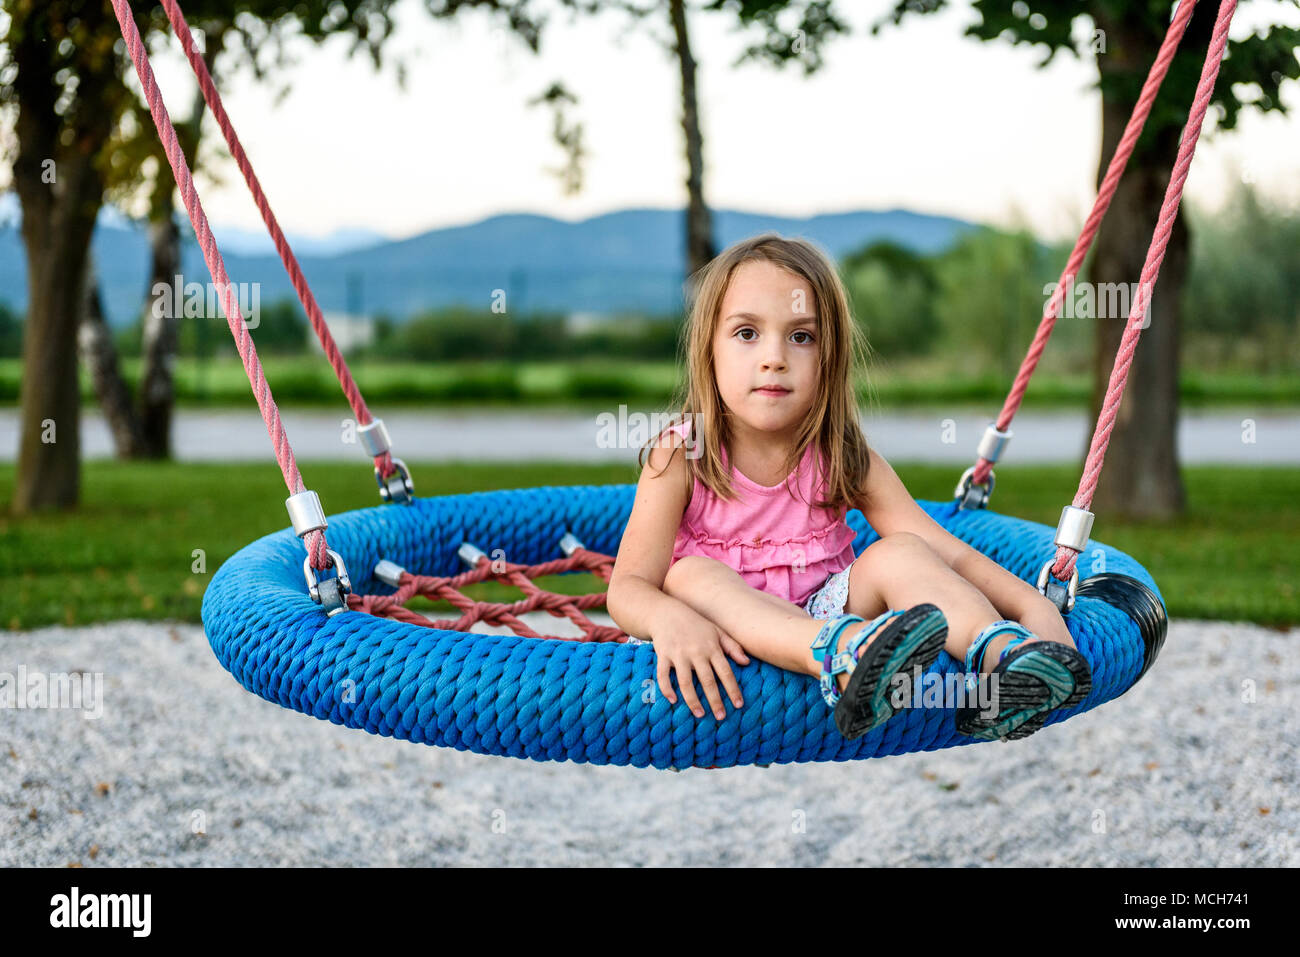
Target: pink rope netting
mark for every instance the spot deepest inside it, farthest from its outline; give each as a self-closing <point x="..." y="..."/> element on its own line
<point x="493" y="613"/>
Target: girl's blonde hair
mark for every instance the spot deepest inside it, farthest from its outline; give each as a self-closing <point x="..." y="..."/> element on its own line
<point x="834" y="421"/>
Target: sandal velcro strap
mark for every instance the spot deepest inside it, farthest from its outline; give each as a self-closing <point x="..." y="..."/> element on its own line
<point x="829" y="635"/>
<point x="975" y="653"/>
<point x="834" y="663"/>
<point x="823" y="648"/>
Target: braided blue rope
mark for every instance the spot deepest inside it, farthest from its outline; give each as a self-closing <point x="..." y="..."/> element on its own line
<point x="563" y="700"/>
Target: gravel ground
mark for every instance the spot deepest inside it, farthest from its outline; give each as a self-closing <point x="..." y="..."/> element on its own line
<point x="1195" y="766"/>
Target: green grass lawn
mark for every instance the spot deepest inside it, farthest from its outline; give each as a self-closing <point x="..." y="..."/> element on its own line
<point x="309" y="381"/>
<point x="129" y="550"/>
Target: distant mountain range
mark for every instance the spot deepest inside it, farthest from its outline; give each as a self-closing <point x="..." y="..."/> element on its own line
<point x="627" y="261"/>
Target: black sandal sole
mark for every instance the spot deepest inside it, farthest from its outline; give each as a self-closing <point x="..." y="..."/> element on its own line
<point x="1020" y="692"/>
<point x="918" y="635"/>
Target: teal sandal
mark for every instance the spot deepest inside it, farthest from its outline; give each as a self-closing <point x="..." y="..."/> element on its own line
<point x="909" y="639"/>
<point x="1033" y="679"/>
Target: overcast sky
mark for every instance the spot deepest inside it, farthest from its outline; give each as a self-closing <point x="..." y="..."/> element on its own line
<point x="919" y="118"/>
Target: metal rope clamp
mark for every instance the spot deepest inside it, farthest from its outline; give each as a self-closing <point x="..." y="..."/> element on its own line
<point x="307" y="516"/>
<point x="397" y="487"/>
<point x="390" y="573"/>
<point x="1072" y="531"/>
<point x="968" y="494"/>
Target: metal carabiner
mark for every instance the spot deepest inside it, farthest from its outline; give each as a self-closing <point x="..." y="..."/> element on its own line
<point x="332" y="593"/>
<point x="1062" y="596"/>
<point x="970" y="495"/>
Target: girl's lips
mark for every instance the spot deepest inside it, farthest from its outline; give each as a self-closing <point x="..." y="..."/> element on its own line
<point x="766" y="391"/>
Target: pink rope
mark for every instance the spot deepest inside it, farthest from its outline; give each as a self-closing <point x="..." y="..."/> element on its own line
<point x="315" y="541"/>
<point x="212" y="97"/>
<point x="1066" y="556"/>
<point x="1118" y="162"/>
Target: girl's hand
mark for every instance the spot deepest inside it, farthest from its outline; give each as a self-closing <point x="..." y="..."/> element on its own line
<point x="690" y="644"/>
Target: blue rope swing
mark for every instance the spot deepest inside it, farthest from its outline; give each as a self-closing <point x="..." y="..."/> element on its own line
<point x="595" y="702"/>
<point x="560" y="700"/>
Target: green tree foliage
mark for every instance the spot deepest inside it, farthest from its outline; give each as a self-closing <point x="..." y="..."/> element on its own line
<point x="458" y="332"/>
<point x="11" y="332"/>
<point x="981" y="298"/>
<point x="991" y="296"/>
<point x="281" y="329"/>
<point x="893" y="291"/>
<point x="1244" y="289"/>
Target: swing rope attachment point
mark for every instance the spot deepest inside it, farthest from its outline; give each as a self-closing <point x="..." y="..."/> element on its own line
<point x="1072" y="532"/>
<point x="307" y="516"/>
<point x="975" y="494"/>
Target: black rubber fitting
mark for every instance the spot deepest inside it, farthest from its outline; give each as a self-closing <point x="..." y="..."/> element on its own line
<point x="1137" y="601"/>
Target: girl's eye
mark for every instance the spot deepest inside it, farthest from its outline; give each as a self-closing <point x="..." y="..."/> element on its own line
<point x="800" y="332"/>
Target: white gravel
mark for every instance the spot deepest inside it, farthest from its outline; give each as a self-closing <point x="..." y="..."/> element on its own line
<point x="186" y="768"/>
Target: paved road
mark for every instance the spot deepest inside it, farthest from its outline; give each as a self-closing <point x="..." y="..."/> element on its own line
<point x="1230" y="437"/>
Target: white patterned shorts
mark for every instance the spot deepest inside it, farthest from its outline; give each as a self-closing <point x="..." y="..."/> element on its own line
<point x="828" y="601"/>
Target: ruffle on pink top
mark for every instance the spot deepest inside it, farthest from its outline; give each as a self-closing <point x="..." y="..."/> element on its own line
<point x="777" y="541"/>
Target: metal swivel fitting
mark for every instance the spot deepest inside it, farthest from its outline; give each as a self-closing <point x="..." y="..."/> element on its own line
<point x="398" y="486"/>
<point x="1072" y="531"/>
<point x="307" y="515"/>
<point x="967" y="493"/>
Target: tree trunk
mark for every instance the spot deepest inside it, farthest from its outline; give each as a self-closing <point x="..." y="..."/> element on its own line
<point x="99" y="355"/>
<point x="159" y="332"/>
<point x="60" y="189"/>
<point x="1140" y="478"/>
<point x="699" y="221"/>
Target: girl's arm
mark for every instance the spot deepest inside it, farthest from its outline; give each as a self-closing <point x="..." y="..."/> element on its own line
<point x="635" y="597"/>
<point x="686" y="642"/>
<point x="889" y="508"/>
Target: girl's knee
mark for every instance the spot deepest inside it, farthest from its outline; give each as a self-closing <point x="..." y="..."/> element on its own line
<point x="906" y="540"/>
<point x="894" y="545"/>
<point x="895" y="561"/>
<point x="864" y="598"/>
<point x="687" y="570"/>
<point x="677" y="573"/>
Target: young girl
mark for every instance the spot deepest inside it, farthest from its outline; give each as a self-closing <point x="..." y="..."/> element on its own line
<point x="737" y="544"/>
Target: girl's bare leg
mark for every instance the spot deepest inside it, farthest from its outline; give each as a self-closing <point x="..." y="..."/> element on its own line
<point x="895" y="572"/>
<point x="767" y="627"/>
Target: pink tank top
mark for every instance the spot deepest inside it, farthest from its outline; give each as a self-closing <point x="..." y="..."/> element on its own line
<point x="778" y="542"/>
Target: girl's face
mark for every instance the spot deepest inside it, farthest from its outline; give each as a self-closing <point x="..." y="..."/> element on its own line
<point x="767" y="336"/>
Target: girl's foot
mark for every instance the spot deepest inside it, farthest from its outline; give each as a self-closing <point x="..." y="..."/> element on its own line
<point x="1032" y="679"/>
<point x="895" y="642"/>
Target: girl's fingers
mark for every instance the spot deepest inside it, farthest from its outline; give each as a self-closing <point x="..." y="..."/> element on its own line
<point x="685" y="682"/>
<point x="728" y="681"/>
<point x="737" y="653"/>
<point x="705" y="671"/>
<point x="665" y="679"/>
